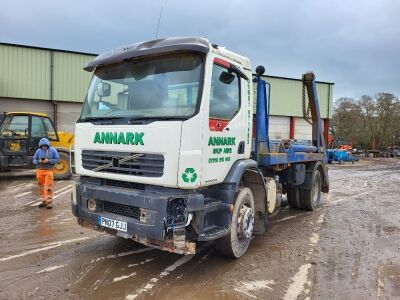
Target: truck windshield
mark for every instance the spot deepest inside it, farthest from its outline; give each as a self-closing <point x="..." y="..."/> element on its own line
<point x="164" y="87"/>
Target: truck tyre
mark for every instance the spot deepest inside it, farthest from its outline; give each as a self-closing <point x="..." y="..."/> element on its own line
<point x="236" y="243"/>
<point x="310" y="198"/>
<point x="62" y="170"/>
<point x="341" y="161"/>
<point x="293" y="197"/>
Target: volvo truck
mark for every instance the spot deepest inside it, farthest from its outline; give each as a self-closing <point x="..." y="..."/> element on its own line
<point x="165" y="152"/>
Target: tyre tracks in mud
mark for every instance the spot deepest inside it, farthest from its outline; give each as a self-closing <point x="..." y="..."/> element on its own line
<point x="331" y="251"/>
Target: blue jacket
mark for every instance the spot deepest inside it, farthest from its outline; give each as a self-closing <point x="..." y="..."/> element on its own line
<point x="51" y="154"/>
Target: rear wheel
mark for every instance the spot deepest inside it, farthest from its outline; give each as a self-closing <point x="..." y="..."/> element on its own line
<point x="310" y="198"/>
<point x="293" y="197"/>
<point x="62" y="170"/>
<point x="236" y="243"/>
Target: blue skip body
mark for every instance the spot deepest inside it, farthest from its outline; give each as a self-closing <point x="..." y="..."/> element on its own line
<point x="295" y="152"/>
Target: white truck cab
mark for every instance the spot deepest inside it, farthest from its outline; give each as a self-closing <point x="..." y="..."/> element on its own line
<point x="163" y="148"/>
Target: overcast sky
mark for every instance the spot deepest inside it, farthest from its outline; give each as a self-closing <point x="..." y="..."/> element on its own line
<point x="355" y="44"/>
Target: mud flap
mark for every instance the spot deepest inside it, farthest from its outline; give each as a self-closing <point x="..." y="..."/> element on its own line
<point x="311" y="168"/>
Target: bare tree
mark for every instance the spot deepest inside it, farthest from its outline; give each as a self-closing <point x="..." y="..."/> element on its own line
<point x="369" y="122"/>
<point x="347" y="120"/>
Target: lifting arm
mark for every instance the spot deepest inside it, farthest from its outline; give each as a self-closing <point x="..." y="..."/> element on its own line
<point x="317" y="133"/>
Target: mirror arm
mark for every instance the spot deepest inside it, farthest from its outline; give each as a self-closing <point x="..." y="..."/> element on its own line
<point x="239" y="72"/>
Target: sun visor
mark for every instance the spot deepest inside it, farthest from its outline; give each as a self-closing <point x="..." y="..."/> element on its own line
<point x="167" y="45"/>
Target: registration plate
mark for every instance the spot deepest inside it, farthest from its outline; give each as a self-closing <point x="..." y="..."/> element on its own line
<point x="114" y="224"/>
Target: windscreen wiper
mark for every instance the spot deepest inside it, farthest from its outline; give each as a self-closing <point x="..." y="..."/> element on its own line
<point x="99" y="118"/>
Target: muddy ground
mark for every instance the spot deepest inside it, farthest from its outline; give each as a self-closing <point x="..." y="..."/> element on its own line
<point x="347" y="249"/>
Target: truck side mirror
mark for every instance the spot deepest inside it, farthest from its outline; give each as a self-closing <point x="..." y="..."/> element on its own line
<point x="103" y="89"/>
<point x="260" y="70"/>
<point x="226" y="77"/>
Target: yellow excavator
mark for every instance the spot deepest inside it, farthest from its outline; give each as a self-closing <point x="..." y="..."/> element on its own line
<point x="20" y="133"/>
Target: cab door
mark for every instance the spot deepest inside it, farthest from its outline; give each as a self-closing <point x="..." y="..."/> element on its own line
<point x="41" y="127"/>
<point x="225" y="133"/>
<point x="37" y="131"/>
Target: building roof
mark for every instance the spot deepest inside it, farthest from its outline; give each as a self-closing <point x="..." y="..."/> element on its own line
<point x="96" y="54"/>
<point x="48" y="49"/>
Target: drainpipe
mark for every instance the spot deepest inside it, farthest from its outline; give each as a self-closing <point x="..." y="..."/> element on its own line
<point x="52" y="89"/>
<point x="292" y="129"/>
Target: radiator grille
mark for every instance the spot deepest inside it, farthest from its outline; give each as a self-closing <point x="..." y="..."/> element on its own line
<point x="145" y="165"/>
<point x="122" y="209"/>
<point x="123" y="184"/>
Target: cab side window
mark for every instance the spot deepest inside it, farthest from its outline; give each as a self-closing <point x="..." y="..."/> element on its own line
<point x="15" y="126"/>
<point x="225" y="95"/>
<point x="50" y="131"/>
<point x="38" y="130"/>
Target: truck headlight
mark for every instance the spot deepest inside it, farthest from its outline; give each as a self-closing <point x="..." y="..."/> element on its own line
<point x="177" y="214"/>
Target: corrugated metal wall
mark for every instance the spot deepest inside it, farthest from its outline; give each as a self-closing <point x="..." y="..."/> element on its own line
<point x="7" y="104"/>
<point x="70" y="80"/>
<point x="68" y="113"/>
<point x="279" y="128"/>
<point x="286" y="97"/>
<point x="26" y="73"/>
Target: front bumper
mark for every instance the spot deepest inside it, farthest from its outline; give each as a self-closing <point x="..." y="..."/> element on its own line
<point x="145" y="212"/>
<point x="15" y="161"/>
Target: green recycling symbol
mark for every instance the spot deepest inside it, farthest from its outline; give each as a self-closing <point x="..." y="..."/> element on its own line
<point x="189" y="175"/>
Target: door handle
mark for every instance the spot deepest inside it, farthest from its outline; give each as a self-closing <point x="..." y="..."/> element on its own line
<point x="241" y="147"/>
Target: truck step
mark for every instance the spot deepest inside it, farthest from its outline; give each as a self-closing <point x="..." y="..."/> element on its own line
<point x="211" y="204"/>
<point x="214" y="233"/>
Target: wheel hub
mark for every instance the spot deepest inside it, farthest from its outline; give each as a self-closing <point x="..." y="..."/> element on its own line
<point x="246" y="222"/>
<point x="60" y="166"/>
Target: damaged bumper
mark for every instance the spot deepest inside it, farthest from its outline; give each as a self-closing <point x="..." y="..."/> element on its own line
<point x="154" y="216"/>
<point x="176" y="245"/>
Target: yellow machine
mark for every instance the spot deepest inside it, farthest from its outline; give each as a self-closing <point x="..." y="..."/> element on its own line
<point x="20" y="133"/>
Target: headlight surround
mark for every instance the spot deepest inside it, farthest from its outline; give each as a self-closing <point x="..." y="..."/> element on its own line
<point x="91" y="204"/>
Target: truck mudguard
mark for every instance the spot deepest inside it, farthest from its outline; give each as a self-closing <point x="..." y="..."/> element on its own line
<point x="311" y="168"/>
<point x="237" y="170"/>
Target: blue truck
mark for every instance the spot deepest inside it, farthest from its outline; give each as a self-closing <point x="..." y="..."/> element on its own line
<point x="341" y="156"/>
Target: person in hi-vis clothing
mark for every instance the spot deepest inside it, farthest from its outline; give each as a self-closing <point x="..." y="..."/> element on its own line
<point x="45" y="158"/>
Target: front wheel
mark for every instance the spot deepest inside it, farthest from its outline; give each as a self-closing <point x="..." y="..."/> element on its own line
<point x="236" y="243"/>
<point x="62" y="170"/>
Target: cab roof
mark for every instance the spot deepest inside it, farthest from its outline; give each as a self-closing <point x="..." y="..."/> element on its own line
<point x="166" y="45"/>
<point x="242" y="60"/>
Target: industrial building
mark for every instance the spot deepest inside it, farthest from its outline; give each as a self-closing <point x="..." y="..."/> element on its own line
<point x="53" y="81"/>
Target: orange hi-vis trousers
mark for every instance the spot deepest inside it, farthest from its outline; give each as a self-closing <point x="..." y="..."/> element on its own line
<point x="45" y="181"/>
